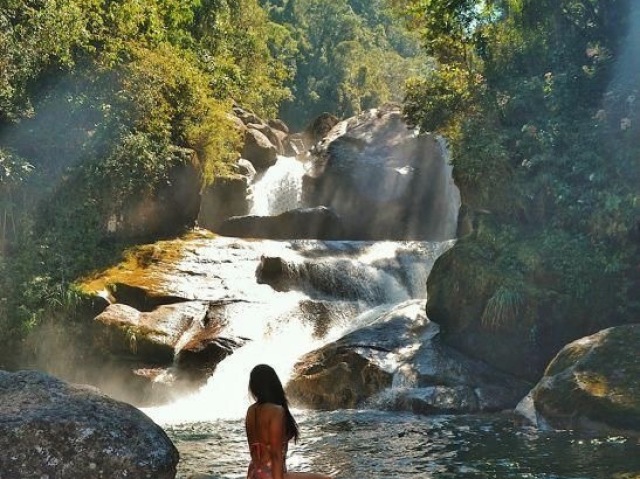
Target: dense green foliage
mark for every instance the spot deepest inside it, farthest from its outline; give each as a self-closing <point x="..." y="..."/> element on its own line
<point x="539" y="101"/>
<point x="350" y="55"/>
<point x="101" y="101"/>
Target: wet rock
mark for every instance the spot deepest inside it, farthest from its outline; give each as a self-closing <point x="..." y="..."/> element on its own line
<point x="351" y="370"/>
<point x="436" y="400"/>
<point x="335" y="377"/>
<point x="401" y="347"/>
<point x="49" y="428"/>
<point x="383" y="180"/>
<point x="342" y="279"/>
<point x="189" y="335"/>
<point x="318" y="223"/>
<point x="207" y="345"/>
<point x="594" y="382"/>
<point x="153" y="336"/>
<point x="259" y="150"/>
<point x="322" y="314"/>
<point x="435" y="363"/>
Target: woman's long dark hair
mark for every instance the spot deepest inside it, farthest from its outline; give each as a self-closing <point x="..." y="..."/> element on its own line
<point x="265" y="386"/>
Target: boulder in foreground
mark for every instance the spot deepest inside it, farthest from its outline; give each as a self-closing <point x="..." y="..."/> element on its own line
<point x="49" y="428"/>
<point x="594" y="382"/>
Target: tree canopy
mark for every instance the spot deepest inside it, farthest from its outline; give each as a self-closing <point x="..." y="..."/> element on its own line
<point x="100" y="100"/>
<point x="543" y="126"/>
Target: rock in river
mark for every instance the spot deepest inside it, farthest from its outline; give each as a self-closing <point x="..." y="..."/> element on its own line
<point x="49" y="428"/>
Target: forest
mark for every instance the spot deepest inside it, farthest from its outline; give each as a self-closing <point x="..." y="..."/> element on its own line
<point x="538" y="100"/>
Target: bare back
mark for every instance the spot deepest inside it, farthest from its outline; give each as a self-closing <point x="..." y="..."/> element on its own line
<point x="267" y="438"/>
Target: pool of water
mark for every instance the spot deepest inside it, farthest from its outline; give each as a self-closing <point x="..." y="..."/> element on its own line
<point x="377" y="445"/>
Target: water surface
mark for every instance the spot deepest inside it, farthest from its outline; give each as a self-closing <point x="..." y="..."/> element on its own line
<point x="378" y="445"/>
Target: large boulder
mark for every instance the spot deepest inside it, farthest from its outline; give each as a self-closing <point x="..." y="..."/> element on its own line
<point x="153" y="336"/>
<point x="594" y="382"/>
<point x="400" y="349"/>
<point x="225" y="197"/>
<point x="384" y="180"/>
<point x="514" y="318"/>
<point x="275" y="136"/>
<point x="259" y="150"/>
<point x="441" y="380"/>
<point x="175" y="346"/>
<point x="49" y="428"/>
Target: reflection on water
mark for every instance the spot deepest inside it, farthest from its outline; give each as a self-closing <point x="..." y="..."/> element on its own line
<point x="380" y="445"/>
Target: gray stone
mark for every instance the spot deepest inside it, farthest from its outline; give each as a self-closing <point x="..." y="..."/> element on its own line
<point x="384" y="180"/>
<point x="49" y="428"/>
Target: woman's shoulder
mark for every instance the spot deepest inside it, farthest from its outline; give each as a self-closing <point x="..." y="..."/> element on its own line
<point x="273" y="408"/>
<point x="267" y="408"/>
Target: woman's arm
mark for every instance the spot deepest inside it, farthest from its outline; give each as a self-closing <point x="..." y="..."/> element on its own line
<point x="276" y="443"/>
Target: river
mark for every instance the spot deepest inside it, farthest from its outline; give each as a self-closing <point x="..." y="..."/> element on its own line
<point x="379" y="445"/>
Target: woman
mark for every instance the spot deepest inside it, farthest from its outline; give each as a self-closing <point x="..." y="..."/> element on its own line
<point x="270" y="426"/>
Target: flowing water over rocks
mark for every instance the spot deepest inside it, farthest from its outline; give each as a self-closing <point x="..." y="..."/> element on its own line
<point x="323" y="290"/>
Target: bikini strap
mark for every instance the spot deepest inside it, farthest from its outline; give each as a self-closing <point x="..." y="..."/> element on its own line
<point x="257" y="445"/>
<point x="255" y="416"/>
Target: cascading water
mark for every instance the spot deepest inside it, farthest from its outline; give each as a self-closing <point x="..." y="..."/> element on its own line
<point x="279" y="189"/>
<point x="353" y="282"/>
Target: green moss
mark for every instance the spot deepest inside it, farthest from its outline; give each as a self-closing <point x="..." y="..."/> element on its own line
<point x="143" y="266"/>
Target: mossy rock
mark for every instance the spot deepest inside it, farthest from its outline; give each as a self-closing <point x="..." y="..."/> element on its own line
<point x="500" y="299"/>
<point x="596" y="378"/>
<point x="462" y="285"/>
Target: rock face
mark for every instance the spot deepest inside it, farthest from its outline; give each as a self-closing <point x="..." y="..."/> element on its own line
<point x="460" y="288"/>
<point x="189" y="337"/>
<point x="170" y="210"/>
<point x="594" y="381"/>
<point x="400" y="349"/>
<point x="383" y="180"/>
<point x="318" y="223"/>
<point x="49" y="428"/>
<point x="225" y="198"/>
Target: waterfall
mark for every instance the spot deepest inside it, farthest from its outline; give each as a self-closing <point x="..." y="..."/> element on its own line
<point x="298" y="295"/>
<point x="452" y="200"/>
<point x="225" y="395"/>
<point x="278" y="189"/>
<point x="281" y="326"/>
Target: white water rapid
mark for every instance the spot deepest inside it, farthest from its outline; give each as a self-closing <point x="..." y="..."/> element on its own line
<point x="279" y="189"/>
<point x="367" y="278"/>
